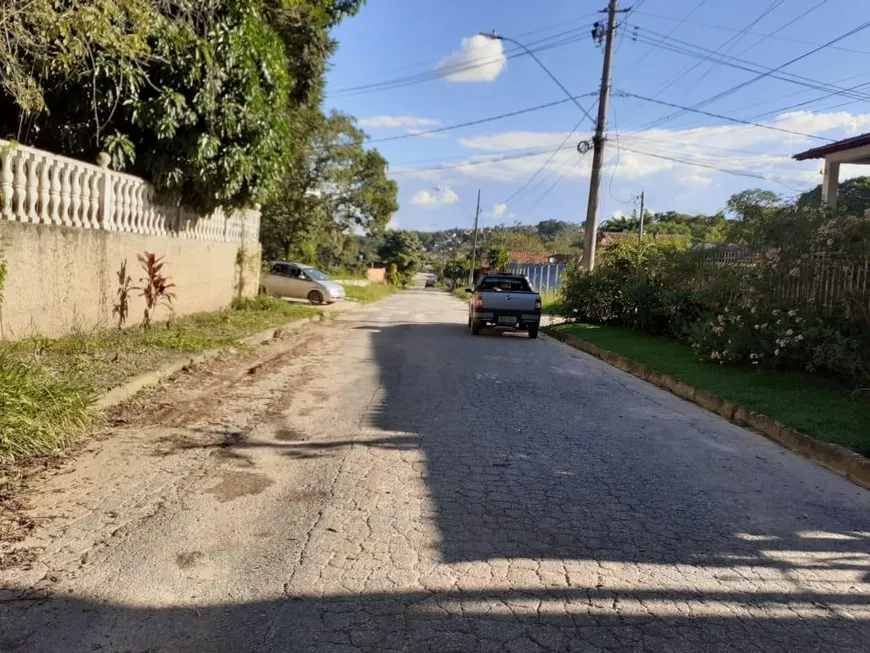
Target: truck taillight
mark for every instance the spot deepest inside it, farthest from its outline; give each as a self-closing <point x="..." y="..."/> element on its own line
<point x="537" y="303"/>
<point x="478" y="302"/>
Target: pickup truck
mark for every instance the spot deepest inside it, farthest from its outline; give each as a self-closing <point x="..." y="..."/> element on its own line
<point x="504" y="300"/>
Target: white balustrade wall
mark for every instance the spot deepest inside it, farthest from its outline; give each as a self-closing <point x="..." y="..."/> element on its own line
<point x="68" y="228"/>
<point x="42" y="188"/>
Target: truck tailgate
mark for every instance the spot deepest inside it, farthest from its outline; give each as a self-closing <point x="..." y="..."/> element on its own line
<point x="508" y="301"/>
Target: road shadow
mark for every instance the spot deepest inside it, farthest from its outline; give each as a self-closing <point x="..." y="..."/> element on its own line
<point x="449" y="621"/>
<point x="531" y="454"/>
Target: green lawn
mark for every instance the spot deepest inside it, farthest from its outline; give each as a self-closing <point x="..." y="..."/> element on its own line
<point x="814" y="406"/>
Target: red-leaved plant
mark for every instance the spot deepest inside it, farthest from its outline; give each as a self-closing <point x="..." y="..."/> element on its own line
<point x="155" y="290"/>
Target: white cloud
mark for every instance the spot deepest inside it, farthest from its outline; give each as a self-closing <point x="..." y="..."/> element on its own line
<point x="449" y="196"/>
<point x="398" y="121"/>
<point x="480" y="59"/>
<point x="517" y="140"/>
<point x="498" y="210"/>
<point x="424" y="198"/>
<point x="444" y="196"/>
<point x="697" y="180"/>
<point x="759" y="153"/>
<point x="393" y="224"/>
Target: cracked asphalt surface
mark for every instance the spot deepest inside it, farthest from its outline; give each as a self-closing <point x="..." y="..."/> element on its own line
<point x="387" y="482"/>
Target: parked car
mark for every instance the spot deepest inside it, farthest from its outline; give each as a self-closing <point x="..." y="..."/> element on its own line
<point x="287" y="279"/>
<point x="430" y="282"/>
<point x="504" y="300"/>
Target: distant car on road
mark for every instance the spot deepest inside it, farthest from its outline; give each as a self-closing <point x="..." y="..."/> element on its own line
<point x="504" y="300"/>
<point x="286" y="279"/>
<point x="430" y="282"/>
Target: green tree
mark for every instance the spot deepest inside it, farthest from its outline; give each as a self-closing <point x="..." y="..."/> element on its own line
<point x="332" y="187"/>
<point x="457" y="271"/>
<point x="402" y="249"/>
<point x="853" y="197"/>
<point x="622" y="223"/>
<point x="498" y="258"/>
<point x="198" y="96"/>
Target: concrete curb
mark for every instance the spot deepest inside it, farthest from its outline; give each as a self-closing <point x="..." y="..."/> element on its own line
<point x="838" y="459"/>
<point x="125" y="391"/>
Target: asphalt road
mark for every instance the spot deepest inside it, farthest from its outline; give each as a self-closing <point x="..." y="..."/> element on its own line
<point x="390" y="483"/>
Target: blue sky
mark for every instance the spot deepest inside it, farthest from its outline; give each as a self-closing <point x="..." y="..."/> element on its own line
<point x="404" y="41"/>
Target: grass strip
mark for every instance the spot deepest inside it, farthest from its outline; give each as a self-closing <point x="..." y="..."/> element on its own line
<point x="48" y="386"/>
<point x="370" y="293"/>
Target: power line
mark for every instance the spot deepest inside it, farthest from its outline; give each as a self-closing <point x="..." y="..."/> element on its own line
<point x="750" y="33"/>
<point x="549" y="189"/>
<point x="737" y="36"/>
<point x="693" y="50"/>
<point x="567" y="37"/>
<point x="545" y="164"/>
<point x="498" y="159"/>
<point x="429" y="63"/>
<point x="760" y="76"/>
<point x="550" y="74"/>
<point x="802" y="92"/>
<point x="814" y="100"/>
<point x="481" y="120"/>
<point x="674" y="29"/>
<point x="697" y="164"/>
<point x="742" y="64"/>
<point x="720" y="116"/>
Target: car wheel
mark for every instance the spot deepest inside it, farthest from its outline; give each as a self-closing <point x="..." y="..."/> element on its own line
<point x="533" y="331"/>
<point x="475" y="328"/>
<point x="315" y="297"/>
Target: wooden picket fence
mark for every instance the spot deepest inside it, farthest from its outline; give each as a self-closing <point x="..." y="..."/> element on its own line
<point x="823" y="279"/>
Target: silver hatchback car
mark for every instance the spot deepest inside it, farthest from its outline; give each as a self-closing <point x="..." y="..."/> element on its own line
<point x="299" y="281"/>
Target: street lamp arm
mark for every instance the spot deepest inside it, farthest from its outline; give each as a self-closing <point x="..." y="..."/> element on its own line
<point x="497" y="37"/>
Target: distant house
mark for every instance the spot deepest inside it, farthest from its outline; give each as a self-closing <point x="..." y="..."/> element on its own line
<point x="529" y="258"/>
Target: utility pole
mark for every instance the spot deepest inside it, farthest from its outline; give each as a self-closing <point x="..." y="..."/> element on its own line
<point x="640" y="234"/>
<point x="474" y="243"/>
<point x="591" y="235"/>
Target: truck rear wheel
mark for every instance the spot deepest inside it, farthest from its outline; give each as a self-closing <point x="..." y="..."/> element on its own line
<point x="475" y="328"/>
<point x="533" y="331"/>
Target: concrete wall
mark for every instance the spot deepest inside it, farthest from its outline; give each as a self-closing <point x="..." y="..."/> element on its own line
<point x="61" y="279"/>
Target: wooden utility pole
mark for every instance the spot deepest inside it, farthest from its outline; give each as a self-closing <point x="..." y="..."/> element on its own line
<point x="474" y="243"/>
<point x="591" y="235"/>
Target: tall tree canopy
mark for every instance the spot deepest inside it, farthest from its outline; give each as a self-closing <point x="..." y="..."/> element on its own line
<point x="333" y="187"/>
<point x="199" y="96"/>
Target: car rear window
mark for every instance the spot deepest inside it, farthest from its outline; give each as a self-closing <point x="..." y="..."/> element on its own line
<point x="505" y="285"/>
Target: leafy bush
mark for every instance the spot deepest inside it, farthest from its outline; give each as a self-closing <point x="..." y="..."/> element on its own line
<point x="592" y="298"/>
<point x="630" y="286"/>
<point x="781" y="339"/>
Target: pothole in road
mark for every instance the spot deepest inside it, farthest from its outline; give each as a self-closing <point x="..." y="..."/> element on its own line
<point x="187" y="559"/>
<point x="239" y="484"/>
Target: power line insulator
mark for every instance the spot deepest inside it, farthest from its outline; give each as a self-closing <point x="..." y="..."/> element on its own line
<point x="598" y="33"/>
